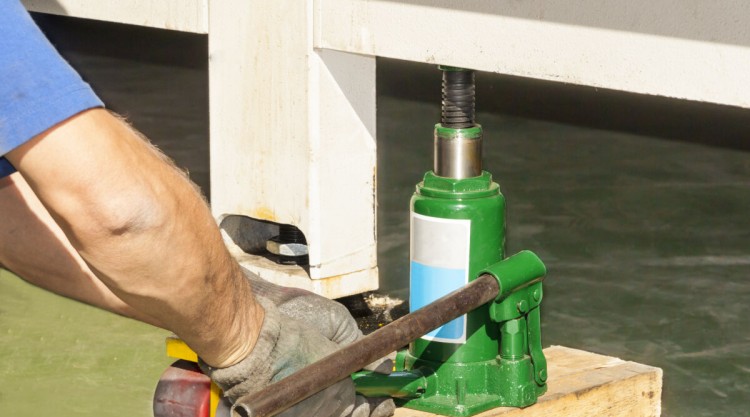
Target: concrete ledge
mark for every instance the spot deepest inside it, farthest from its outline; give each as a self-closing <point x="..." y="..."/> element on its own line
<point x="587" y="384"/>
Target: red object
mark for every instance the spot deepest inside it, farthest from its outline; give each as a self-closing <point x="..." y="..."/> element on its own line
<point x="183" y="391"/>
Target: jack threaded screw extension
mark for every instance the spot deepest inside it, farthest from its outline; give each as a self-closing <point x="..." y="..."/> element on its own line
<point x="291" y="234"/>
<point x="457" y="144"/>
<point x="458" y="98"/>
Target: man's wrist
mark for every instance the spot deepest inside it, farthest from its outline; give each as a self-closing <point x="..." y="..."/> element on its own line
<point x="242" y="336"/>
<point x="257" y="366"/>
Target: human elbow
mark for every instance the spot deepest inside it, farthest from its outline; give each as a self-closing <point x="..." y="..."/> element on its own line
<point x="122" y="217"/>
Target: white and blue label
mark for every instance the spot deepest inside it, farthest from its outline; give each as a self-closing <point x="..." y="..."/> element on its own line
<point x="439" y="256"/>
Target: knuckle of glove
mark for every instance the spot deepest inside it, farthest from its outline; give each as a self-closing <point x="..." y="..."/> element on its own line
<point x="328" y="317"/>
<point x="373" y="407"/>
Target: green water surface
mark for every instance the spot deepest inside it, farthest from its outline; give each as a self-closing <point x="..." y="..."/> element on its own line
<point x="62" y="358"/>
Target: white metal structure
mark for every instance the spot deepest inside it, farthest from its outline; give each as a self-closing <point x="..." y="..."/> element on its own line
<point x="292" y="89"/>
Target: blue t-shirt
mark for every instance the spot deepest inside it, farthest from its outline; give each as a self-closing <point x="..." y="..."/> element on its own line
<point x="38" y="89"/>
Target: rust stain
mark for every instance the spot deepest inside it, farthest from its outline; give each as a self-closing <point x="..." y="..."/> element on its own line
<point x="263" y="213"/>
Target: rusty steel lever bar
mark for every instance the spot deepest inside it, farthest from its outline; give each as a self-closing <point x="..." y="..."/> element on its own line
<point x="320" y="375"/>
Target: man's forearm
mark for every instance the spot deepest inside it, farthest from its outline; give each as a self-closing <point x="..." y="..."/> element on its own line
<point x="33" y="247"/>
<point x="144" y="230"/>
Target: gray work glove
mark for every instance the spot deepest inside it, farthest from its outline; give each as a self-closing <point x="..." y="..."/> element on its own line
<point x="285" y="345"/>
<point x="328" y="317"/>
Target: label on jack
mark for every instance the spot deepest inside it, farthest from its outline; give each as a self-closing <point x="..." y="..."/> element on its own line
<point x="439" y="256"/>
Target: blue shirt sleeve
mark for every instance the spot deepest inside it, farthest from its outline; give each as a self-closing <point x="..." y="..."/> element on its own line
<point x="38" y="88"/>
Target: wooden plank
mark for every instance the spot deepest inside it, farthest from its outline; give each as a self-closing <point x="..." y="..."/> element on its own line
<point x="584" y="384"/>
<point x="692" y="49"/>
<point x="181" y="15"/>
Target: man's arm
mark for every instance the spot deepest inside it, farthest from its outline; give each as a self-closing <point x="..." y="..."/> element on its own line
<point x="144" y="230"/>
<point x="34" y="247"/>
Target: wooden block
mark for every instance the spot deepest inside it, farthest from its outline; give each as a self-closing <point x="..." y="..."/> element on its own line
<point x="586" y="384"/>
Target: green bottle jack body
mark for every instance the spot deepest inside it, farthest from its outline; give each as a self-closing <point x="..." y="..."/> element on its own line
<point x="458" y="229"/>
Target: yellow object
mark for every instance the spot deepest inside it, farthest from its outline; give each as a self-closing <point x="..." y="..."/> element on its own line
<point x="215" y="398"/>
<point x="178" y="349"/>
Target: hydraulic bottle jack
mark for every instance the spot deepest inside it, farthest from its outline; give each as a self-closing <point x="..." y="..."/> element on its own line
<point x="474" y="327"/>
<point x="493" y="355"/>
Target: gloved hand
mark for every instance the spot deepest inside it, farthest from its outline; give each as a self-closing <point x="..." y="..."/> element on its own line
<point x="285" y="345"/>
<point x="328" y="317"/>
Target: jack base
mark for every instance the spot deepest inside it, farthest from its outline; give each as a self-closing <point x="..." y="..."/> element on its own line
<point x="466" y="389"/>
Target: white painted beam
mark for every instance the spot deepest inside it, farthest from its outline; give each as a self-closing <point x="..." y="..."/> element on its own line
<point x="691" y="49"/>
<point x="293" y="137"/>
<point x="181" y="15"/>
